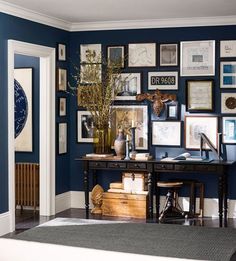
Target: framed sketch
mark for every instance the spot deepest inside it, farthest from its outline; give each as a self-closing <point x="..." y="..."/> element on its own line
<point x="23" y="109"/>
<point x="116" y="55"/>
<point x="125" y="116"/>
<point x="94" y="49"/>
<point x="62" y="106"/>
<point x="162" y="133"/>
<point x="228" y="74"/>
<point x="197" y="58"/>
<point x="229" y="130"/>
<point x="131" y="86"/>
<point x="142" y="55"/>
<point x="168" y="54"/>
<point x="199" y="95"/>
<point x="62" y="138"/>
<point x="85" y="127"/>
<point x="228" y="48"/>
<point x="163" y="80"/>
<point x="172" y="110"/>
<point x="194" y="125"/>
<point x="61" y="79"/>
<point x="90" y="73"/>
<point x="61" y="52"/>
<point x="228" y="102"/>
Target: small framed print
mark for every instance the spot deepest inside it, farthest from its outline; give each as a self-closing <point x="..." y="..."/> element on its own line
<point x="228" y="48"/>
<point x="90" y="53"/>
<point x="85" y="127"/>
<point x="197" y="58"/>
<point x="194" y="125"/>
<point x="163" y="80"/>
<point x="228" y="74"/>
<point x="62" y="138"/>
<point x="61" y="52"/>
<point x="199" y="95"/>
<point x="142" y="55"/>
<point x="229" y="130"/>
<point x="172" y="110"/>
<point x="62" y="106"/>
<point x="162" y="133"/>
<point x="168" y="54"/>
<point x="116" y="56"/>
<point x="228" y="102"/>
<point x="61" y="79"/>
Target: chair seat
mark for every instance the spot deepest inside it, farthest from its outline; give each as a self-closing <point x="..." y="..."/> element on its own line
<point x="169" y="184"/>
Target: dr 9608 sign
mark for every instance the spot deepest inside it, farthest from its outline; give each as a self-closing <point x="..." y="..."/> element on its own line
<point x="163" y="80"/>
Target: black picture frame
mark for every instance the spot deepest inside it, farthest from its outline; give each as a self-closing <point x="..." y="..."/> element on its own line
<point x="172" y="110"/>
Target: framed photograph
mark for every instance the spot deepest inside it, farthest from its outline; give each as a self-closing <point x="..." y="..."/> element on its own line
<point x="228" y="74"/>
<point x="94" y="49"/>
<point x="90" y="73"/>
<point x="229" y="130"/>
<point x="197" y="58"/>
<point x="199" y="95"/>
<point x="163" y="80"/>
<point x="23" y="81"/>
<point x="168" y="54"/>
<point x="116" y="55"/>
<point x="62" y="138"/>
<point x="142" y="55"/>
<point x="61" y="52"/>
<point x="85" y="127"/>
<point x="172" y="110"/>
<point x="162" y="133"/>
<point x="194" y="125"/>
<point x="62" y="106"/>
<point x="131" y="86"/>
<point x="126" y="116"/>
<point x="228" y="102"/>
<point x="61" y="79"/>
<point x="228" y="48"/>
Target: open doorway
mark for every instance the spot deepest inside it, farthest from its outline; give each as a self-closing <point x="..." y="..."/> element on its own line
<point x="46" y="57"/>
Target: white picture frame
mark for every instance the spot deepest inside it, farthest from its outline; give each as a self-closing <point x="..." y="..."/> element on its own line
<point x="228" y="102"/>
<point x="142" y="55"/>
<point x="229" y="130"/>
<point x="228" y="74"/>
<point x="96" y="49"/>
<point x="61" y="79"/>
<point x="168" y="54"/>
<point x="62" y="106"/>
<point x="162" y="133"/>
<point x="197" y="58"/>
<point x="61" y="52"/>
<point x="228" y="48"/>
<point x="62" y="138"/>
<point x="85" y="127"/>
<point x="163" y="80"/>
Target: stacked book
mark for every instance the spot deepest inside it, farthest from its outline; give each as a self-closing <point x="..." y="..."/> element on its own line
<point x="143" y="156"/>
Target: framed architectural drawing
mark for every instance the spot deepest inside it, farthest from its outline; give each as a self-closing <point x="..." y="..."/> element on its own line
<point x="168" y="54"/>
<point x="61" y="79"/>
<point x="194" y="125"/>
<point x="61" y="52"/>
<point x="94" y="49"/>
<point x="62" y="106"/>
<point x="229" y="130"/>
<point x="228" y="102"/>
<point x="23" y="109"/>
<point x="197" y="58"/>
<point x="162" y="133"/>
<point x="62" y="138"/>
<point x="163" y="80"/>
<point x="142" y="55"/>
<point x="116" y="55"/>
<point x="125" y="116"/>
<point x="228" y="74"/>
<point x="85" y="127"/>
<point x="228" y="48"/>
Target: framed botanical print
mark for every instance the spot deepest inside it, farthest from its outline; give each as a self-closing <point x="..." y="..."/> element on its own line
<point x="229" y="130"/>
<point x="61" y="52"/>
<point x="168" y="54"/>
<point x="228" y="74"/>
<point x="62" y="138"/>
<point x="163" y="80"/>
<point x="85" y="127"/>
<point x="199" y="95"/>
<point x="127" y="116"/>
<point x="62" y="106"/>
<point x="194" y="125"/>
<point x="90" y="53"/>
<point x="228" y="48"/>
<point x="61" y="79"/>
<point x="197" y="58"/>
<point x="116" y="56"/>
<point x="228" y="102"/>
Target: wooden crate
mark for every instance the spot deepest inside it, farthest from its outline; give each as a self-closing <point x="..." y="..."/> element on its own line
<point x="124" y="205"/>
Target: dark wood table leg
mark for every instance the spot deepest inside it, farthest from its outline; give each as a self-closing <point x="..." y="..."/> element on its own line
<point x="220" y="198"/>
<point x="157" y="196"/>
<point x="225" y="197"/>
<point x="86" y="189"/>
<point x="150" y="198"/>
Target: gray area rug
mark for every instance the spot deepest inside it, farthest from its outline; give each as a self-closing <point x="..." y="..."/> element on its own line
<point x="200" y="243"/>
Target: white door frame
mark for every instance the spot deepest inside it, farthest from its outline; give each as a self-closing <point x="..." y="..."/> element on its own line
<point x="46" y="123"/>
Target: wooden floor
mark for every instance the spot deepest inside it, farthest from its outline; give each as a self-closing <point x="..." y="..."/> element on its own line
<point x="28" y="219"/>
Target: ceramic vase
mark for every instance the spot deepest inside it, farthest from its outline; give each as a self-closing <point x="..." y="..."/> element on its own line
<point x="119" y="144"/>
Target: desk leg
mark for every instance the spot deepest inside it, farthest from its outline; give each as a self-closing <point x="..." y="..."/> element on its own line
<point x="86" y="192"/>
<point x="157" y="197"/>
<point x="150" y="197"/>
<point x="225" y="197"/>
<point x="220" y="199"/>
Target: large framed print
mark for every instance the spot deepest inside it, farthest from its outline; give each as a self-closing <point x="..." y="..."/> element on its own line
<point x="127" y="116"/>
<point x="116" y="56"/>
<point x="228" y="48"/>
<point x="199" y="95"/>
<point x="228" y="74"/>
<point x="142" y="55"/>
<point x="228" y="102"/>
<point x="62" y="138"/>
<point x="197" y="58"/>
<point x="194" y="125"/>
<point x="163" y="80"/>
<point x="162" y="133"/>
<point x="229" y="130"/>
<point x="23" y="109"/>
<point x="168" y="54"/>
<point x="131" y="86"/>
<point x="94" y="57"/>
<point x="85" y="127"/>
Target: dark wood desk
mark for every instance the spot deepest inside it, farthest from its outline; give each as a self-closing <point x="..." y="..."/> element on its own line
<point x="154" y="169"/>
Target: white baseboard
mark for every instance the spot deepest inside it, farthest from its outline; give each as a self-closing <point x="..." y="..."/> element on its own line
<point x="63" y="201"/>
<point x="4" y="223"/>
<point x="78" y="200"/>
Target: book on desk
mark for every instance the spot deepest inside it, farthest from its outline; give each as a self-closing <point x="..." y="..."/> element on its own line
<point x="186" y="157"/>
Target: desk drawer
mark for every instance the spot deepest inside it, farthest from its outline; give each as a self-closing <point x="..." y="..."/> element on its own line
<point x="97" y="165"/>
<point x="184" y="167"/>
<point x="163" y="166"/>
<point x="206" y="168"/>
<point x="137" y="166"/>
<point x="116" y="165"/>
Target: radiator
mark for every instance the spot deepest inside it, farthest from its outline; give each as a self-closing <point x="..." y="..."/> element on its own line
<point x="27" y="184"/>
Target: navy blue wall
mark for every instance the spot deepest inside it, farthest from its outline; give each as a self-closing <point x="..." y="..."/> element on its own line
<point x="166" y="35"/>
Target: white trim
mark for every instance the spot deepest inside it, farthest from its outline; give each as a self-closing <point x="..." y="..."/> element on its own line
<point x="4" y="223"/>
<point x="63" y="201"/>
<point x="47" y="125"/>
<point x="78" y="199"/>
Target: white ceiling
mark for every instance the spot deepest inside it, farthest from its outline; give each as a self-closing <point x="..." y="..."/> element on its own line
<point x="92" y="11"/>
